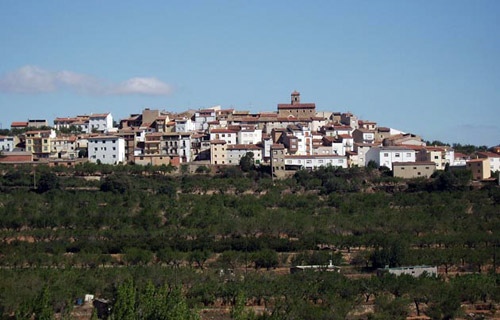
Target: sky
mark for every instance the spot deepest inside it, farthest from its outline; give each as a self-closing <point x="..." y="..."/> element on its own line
<point x="429" y="67"/>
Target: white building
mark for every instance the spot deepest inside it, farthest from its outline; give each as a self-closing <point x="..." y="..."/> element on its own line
<point x="362" y="149"/>
<point x="236" y="151"/>
<point x="315" y="161"/>
<point x="230" y="136"/>
<point x="6" y="143"/>
<point x="414" y="271"/>
<point x="304" y="139"/>
<point x="178" y="143"/>
<point x="494" y="160"/>
<point x="184" y="125"/>
<point x="385" y="156"/>
<point x="203" y="117"/>
<point x="64" y="148"/>
<point x="100" y="122"/>
<point x="106" y="149"/>
<point x="249" y="136"/>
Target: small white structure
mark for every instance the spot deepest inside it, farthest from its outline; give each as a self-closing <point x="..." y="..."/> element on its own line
<point x="89" y="298"/>
<point x="106" y="149"/>
<point x="328" y="268"/>
<point x="385" y="156"/>
<point x="6" y="143"/>
<point x="414" y="271"/>
<point x="100" y="122"/>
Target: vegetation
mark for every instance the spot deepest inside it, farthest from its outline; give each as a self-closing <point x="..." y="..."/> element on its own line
<point x="160" y="244"/>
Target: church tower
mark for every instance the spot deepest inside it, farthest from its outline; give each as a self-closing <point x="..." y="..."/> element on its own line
<point x="295" y="97"/>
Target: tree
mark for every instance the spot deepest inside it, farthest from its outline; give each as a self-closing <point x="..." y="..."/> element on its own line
<point x="48" y="181"/>
<point x="124" y="307"/>
<point x="266" y="259"/>
<point x="247" y="162"/>
<point x="43" y="306"/>
<point x="116" y="183"/>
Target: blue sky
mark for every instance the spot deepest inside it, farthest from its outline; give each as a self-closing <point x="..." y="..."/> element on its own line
<point x="427" y="67"/>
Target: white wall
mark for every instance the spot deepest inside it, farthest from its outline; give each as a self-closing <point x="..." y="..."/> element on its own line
<point x="385" y="157"/>
<point x="109" y="150"/>
<point x="6" y="143"/>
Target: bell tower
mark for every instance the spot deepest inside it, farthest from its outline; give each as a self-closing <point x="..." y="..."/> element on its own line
<point x="295" y="97"/>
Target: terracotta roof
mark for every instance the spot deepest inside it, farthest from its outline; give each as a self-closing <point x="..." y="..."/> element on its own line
<point x="489" y="154"/>
<point x="460" y="155"/>
<point x="19" y="124"/>
<point x="277" y="146"/>
<point x="218" y="142"/>
<point x="64" y="119"/>
<point x="477" y="160"/>
<point x="99" y="115"/>
<point x="104" y="137"/>
<point x="295" y="93"/>
<point x="383" y="129"/>
<point x="37" y="131"/>
<point x="297" y="106"/>
<point x="345" y="136"/>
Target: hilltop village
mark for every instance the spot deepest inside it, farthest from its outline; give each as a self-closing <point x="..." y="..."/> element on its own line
<point x="296" y="136"/>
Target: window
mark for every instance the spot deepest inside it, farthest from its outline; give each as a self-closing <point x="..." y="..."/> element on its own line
<point x="396" y="155"/>
<point x="408" y="154"/>
<point x="386" y="154"/>
<point x="436" y="157"/>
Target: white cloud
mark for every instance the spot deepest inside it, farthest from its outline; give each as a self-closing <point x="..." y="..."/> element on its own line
<point x="148" y="86"/>
<point x="34" y="80"/>
<point x="28" y="79"/>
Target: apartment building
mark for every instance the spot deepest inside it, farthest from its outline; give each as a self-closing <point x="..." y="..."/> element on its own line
<point x="39" y="142"/>
<point x="218" y="152"/>
<point x="106" y="149"/>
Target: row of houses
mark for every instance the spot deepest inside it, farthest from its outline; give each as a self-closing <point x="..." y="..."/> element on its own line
<point x="295" y="136"/>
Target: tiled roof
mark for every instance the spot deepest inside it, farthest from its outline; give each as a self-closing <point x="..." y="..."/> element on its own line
<point x="19" y="124"/>
<point x="297" y="106"/>
<point x="218" y="142"/>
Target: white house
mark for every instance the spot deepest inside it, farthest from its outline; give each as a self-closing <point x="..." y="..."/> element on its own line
<point x="6" y="143"/>
<point x="184" y="125"/>
<point x="106" y="149"/>
<point x="249" y="136"/>
<point x="315" y="161"/>
<point x="385" y="156"/>
<point x="203" y="117"/>
<point x="361" y="149"/>
<point x="100" y="122"/>
<point x="236" y="151"/>
<point x="227" y="135"/>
